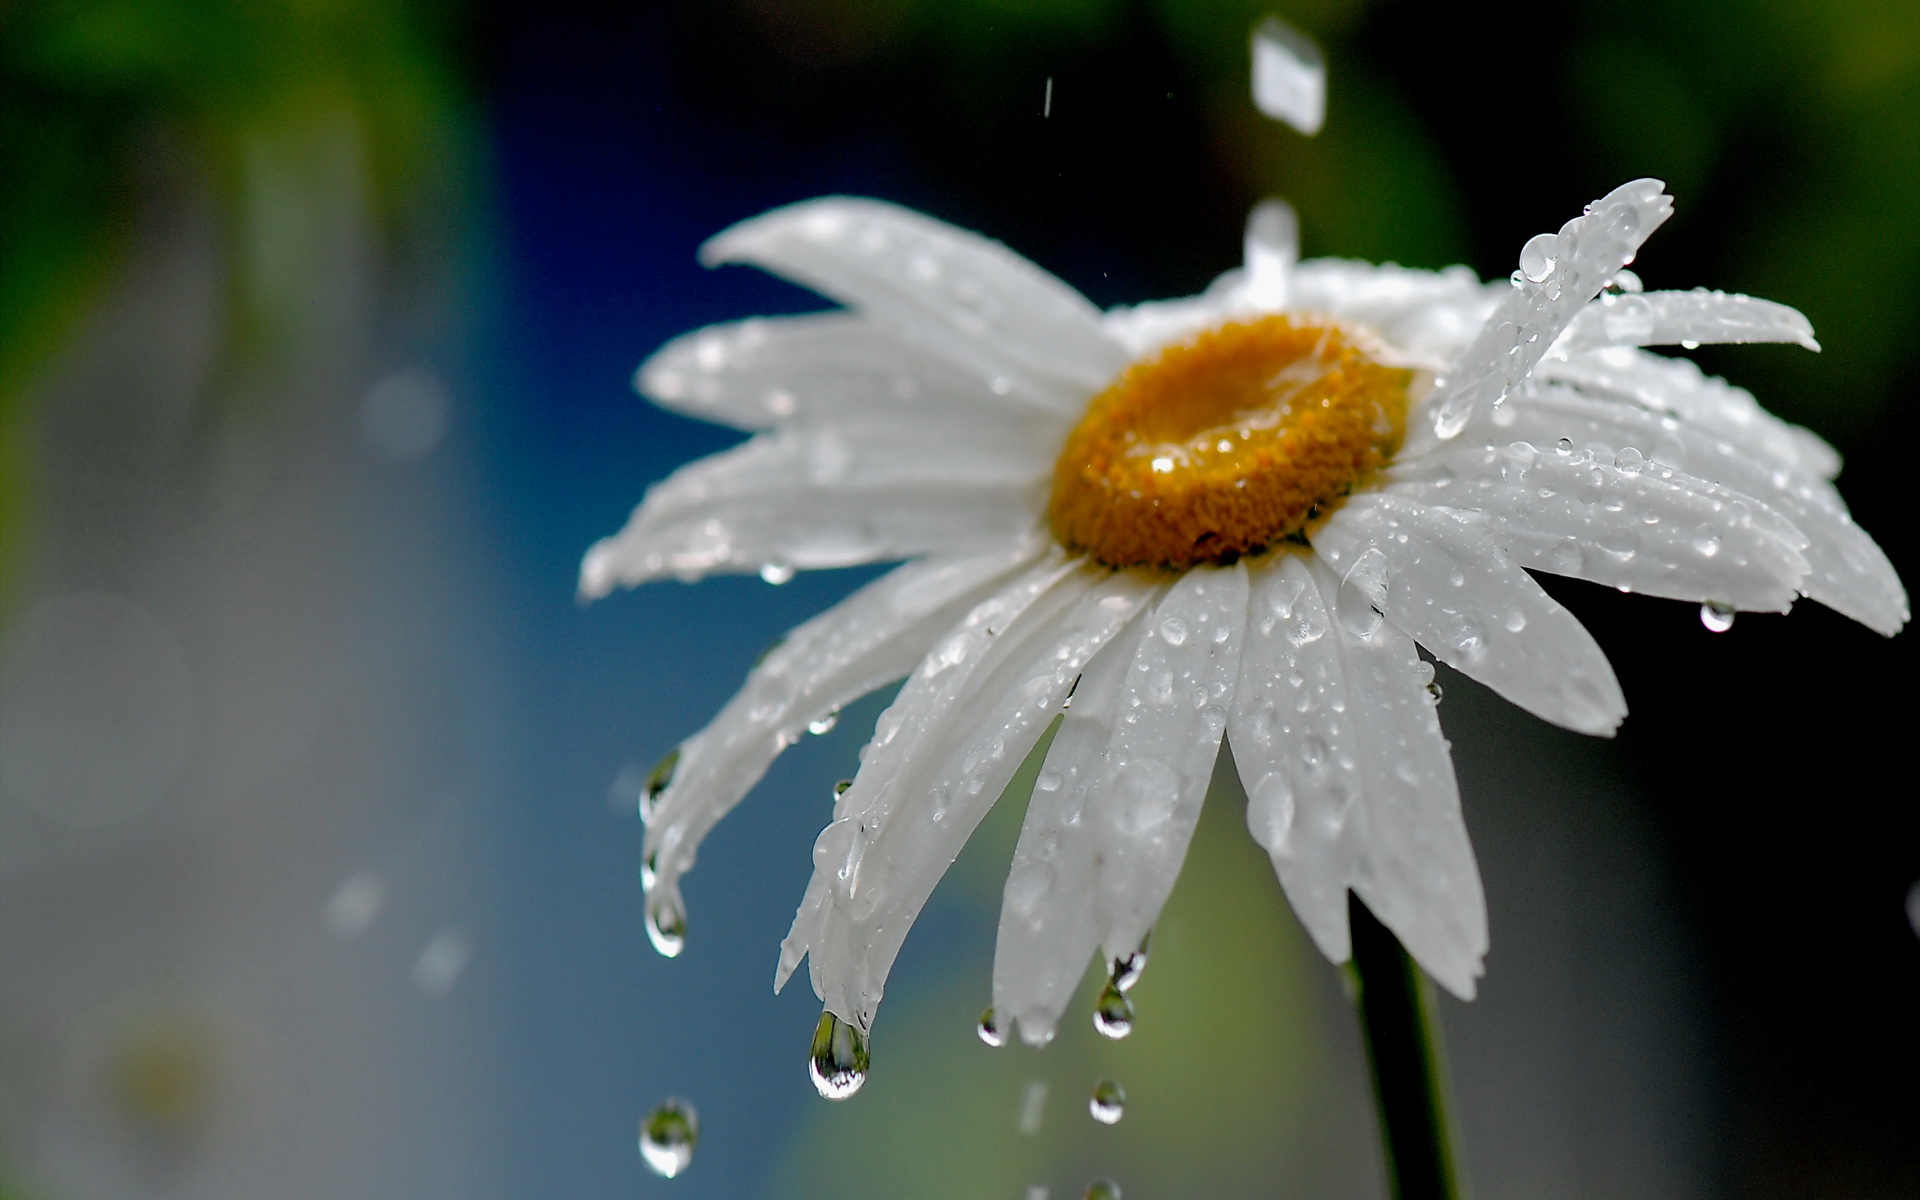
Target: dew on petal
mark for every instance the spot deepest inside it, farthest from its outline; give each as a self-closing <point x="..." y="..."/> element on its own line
<point x="667" y="1137"/>
<point x="776" y="573"/>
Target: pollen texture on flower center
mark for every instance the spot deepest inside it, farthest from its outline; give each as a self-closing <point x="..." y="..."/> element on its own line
<point x="1225" y="444"/>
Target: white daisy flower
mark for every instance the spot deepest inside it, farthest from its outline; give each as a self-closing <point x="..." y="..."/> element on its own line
<point x="1231" y="517"/>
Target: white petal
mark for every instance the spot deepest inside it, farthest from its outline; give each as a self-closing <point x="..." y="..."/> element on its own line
<point x="1700" y="317"/>
<point x="1678" y="387"/>
<point x="1847" y="571"/>
<point x="813" y="499"/>
<point x="823" y="367"/>
<point x="1449" y="586"/>
<point x="1631" y="524"/>
<point x="965" y="296"/>
<point x="939" y="758"/>
<point x="1048" y="930"/>
<point x="874" y="636"/>
<point x="1559" y="274"/>
<point x="1159" y="760"/>
<point x="1349" y="782"/>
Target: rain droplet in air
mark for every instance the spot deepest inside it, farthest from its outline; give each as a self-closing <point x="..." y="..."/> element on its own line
<point x="1289" y="76"/>
<point x="1102" y="1189"/>
<point x="840" y="1058"/>
<point x="667" y="1137"/>
<point x="1033" y="1107"/>
<point x="1113" y="1013"/>
<point x="991" y="1031"/>
<point x="1717" y="617"/>
<point x="1108" y="1102"/>
<point x="821" y="726"/>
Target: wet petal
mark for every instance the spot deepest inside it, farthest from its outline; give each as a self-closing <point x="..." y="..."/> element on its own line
<point x="1448" y="585"/>
<point x="940" y="756"/>
<point x="871" y="638"/>
<point x="1172" y="714"/>
<point x="1630" y="523"/>
<point x="1700" y="317"/>
<point x="1048" y="930"/>
<point x="1558" y="275"/>
<point x="1678" y="387"/>
<point x="1848" y="572"/>
<point x="967" y="297"/>
<point x="1349" y="781"/>
<point x="814" y="500"/>
<point x="819" y="368"/>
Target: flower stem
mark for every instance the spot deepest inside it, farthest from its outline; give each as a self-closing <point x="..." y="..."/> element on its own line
<point x="1409" y="1073"/>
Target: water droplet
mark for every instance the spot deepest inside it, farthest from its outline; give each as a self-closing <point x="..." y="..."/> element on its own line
<point x="666" y="924"/>
<point x="1537" y="257"/>
<point x="1717" y="617"/>
<point x="1102" y="1189"/>
<point x="1174" y="630"/>
<point x="1113" y="1013"/>
<point x="1516" y="621"/>
<point x="667" y="1137"/>
<point x="1564" y="446"/>
<point x="840" y="1059"/>
<point x="1289" y="76"/>
<point x="1434" y="690"/>
<point x="658" y="780"/>
<point x="1706" y="541"/>
<point x="1108" y="1102"/>
<point x="1049" y="781"/>
<point x="840" y="789"/>
<point x="776" y="573"/>
<point x="1125" y="971"/>
<point x="1033" y="1107"/>
<point x="991" y="1031"/>
<point x="820" y="726"/>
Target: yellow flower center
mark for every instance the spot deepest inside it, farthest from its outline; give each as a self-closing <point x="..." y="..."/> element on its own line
<point x="1224" y="445"/>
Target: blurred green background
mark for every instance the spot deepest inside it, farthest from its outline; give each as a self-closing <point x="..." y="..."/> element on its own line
<point x="1702" y="980"/>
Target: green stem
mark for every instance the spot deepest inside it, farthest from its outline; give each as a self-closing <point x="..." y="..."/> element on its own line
<point x="1409" y="1073"/>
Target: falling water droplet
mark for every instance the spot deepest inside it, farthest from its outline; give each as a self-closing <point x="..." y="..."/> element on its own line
<point x="776" y="573"/>
<point x="667" y="1137"/>
<point x="840" y="1058"/>
<point x="1108" y="1102"/>
<point x="1717" y="617"/>
<point x="1289" y="76"/>
<point x="990" y="1030"/>
<point x="1102" y="1189"/>
<point x="821" y="726"/>
<point x="1113" y="1013"/>
<point x="666" y="924"/>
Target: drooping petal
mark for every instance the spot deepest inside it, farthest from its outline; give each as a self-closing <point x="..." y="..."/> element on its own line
<point x="1172" y="713"/>
<point x="819" y="368"/>
<point x="1349" y="781"/>
<point x="962" y="295"/>
<point x="939" y="758"/>
<point x="1848" y="572"/>
<point x="1679" y="387"/>
<point x="817" y="499"/>
<point x="874" y="636"/>
<point x="1629" y="523"/>
<point x="1558" y="275"/>
<point x="1048" y="929"/>
<point x="1450" y="587"/>
<point x="1700" y="317"/>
